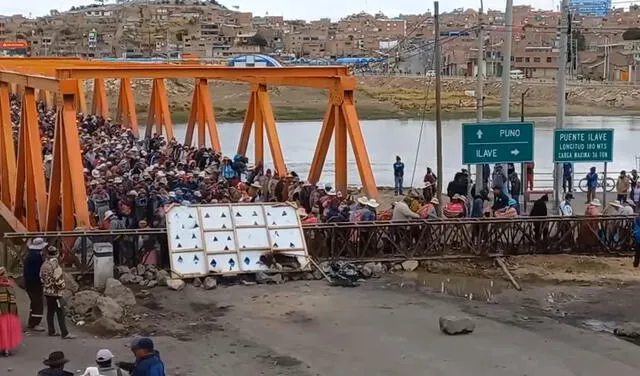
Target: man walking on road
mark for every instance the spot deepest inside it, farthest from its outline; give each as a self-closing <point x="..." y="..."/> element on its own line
<point x="567" y="177"/>
<point x="398" y="175"/>
<point x="33" y="285"/>
<point x="53" y="284"/>
<point x="592" y="184"/>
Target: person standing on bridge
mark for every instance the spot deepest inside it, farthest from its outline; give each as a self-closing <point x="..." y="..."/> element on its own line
<point x="567" y="177"/>
<point x="398" y="175"/>
<point x="592" y="184"/>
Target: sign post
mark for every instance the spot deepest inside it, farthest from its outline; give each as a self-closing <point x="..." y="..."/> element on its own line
<point x="497" y="142"/>
<point x="584" y="145"/>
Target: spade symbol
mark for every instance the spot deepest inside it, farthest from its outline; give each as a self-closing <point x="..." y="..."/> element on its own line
<point x="284" y="213"/>
<point x="213" y="263"/>
<point x="224" y="226"/>
<point x="215" y="238"/>
<point x="292" y="245"/>
<point x="180" y="259"/>
<point x="179" y="245"/>
<point x="226" y="248"/>
<point x="276" y="234"/>
<point x="255" y="214"/>
<point x="247" y="261"/>
<point x="190" y="217"/>
<point x="238" y="214"/>
<point x="228" y="238"/>
<point x="274" y="223"/>
<point x="196" y="260"/>
<point x="223" y="215"/>
<point x="231" y="264"/>
<point x="177" y="237"/>
<point x="207" y="215"/>
<point x="275" y="245"/>
<point x="255" y="223"/>
<point x="196" y="226"/>
<point x="193" y="236"/>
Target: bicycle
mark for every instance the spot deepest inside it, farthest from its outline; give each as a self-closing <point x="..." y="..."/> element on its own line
<point x="610" y="184"/>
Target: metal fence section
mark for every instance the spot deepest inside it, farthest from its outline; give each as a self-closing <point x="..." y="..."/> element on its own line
<point x="384" y="240"/>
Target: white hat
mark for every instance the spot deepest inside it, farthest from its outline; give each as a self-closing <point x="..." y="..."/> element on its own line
<point x="48" y="157"/>
<point x="108" y="214"/>
<point x="373" y="203"/>
<point x="256" y="185"/>
<point x="37" y="243"/>
<point x="435" y="201"/>
<point x="161" y="174"/>
<point x="197" y="194"/>
<point x="331" y="193"/>
<point x="595" y="202"/>
<point x="172" y="194"/>
<point x="95" y="173"/>
<point x="630" y="202"/>
<point x="104" y="355"/>
<point x="321" y="187"/>
<point x="615" y="204"/>
<point x="132" y="193"/>
<point x="117" y="180"/>
<point x="363" y="200"/>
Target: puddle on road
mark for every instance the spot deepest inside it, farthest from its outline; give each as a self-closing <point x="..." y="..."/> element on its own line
<point x="472" y="288"/>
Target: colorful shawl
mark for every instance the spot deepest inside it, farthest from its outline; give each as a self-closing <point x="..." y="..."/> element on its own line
<point x="8" y="302"/>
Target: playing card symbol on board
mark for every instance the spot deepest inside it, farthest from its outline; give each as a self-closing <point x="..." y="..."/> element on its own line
<point x="193" y="236"/>
<point x="183" y="227"/>
<point x="215" y="238"/>
<point x="177" y="237"/>
<point x="284" y="213"/>
<point x="274" y="223"/>
<point x="268" y="214"/>
<point x="179" y="245"/>
<point x="255" y="223"/>
<point x="196" y="260"/>
<point x="231" y="264"/>
<point x="255" y="214"/>
<point x="247" y="261"/>
<point x="213" y="263"/>
<point x="224" y="226"/>
<point x="196" y="226"/>
<point x="207" y="215"/>
<point x="190" y="216"/>
<point x="180" y="259"/>
<point x="275" y="245"/>
<point x="292" y="245"/>
<point x="238" y="214"/>
<point x="226" y="248"/>
<point x="223" y="215"/>
<point x="228" y="238"/>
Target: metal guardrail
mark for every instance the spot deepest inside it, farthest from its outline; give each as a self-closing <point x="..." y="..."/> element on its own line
<point x="387" y="240"/>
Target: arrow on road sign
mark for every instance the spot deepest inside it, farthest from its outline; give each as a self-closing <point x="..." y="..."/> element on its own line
<point x="479" y="134"/>
<point x="515" y="151"/>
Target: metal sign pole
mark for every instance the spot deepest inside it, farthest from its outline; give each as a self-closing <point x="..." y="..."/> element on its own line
<point x="604" y="186"/>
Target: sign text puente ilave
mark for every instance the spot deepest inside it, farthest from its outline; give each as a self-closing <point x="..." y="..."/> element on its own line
<point x="28" y="204"/>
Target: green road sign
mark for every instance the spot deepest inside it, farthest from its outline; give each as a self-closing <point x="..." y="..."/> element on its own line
<point x="583" y="145"/>
<point x="499" y="142"/>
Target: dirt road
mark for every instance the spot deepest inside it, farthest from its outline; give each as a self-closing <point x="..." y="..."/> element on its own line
<point x="384" y="327"/>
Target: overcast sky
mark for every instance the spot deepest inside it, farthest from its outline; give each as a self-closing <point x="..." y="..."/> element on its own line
<point x="293" y="8"/>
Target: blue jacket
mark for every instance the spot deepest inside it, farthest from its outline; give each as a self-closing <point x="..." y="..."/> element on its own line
<point x="149" y="366"/>
<point x="32" y="265"/>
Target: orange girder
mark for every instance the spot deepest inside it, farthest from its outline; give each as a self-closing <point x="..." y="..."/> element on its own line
<point x="26" y="202"/>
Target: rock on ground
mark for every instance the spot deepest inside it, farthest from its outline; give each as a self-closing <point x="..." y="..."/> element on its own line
<point x="210" y="283"/>
<point x="82" y="302"/>
<point x="366" y="271"/>
<point x="141" y="269"/>
<point x="264" y="278"/>
<point x="126" y="278"/>
<point x="453" y="325"/>
<point x="162" y="276"/>
<point x="120" y="293"/>
<point x="70" y="283"/>
<point x="175" y="284"/>
<point x="197" y="282"/>
<point x="107" y="308"/>
<point x="107" y="326"/>
<point x="120" y="270"/>
<point x="410" y="265"/>
<point x="628" y="329"/>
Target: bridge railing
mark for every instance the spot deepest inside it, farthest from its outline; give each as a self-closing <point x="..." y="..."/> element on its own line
<point x="382" y="240"/>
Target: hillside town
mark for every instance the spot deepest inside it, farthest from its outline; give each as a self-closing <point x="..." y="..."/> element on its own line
<point x="402" y="44"/>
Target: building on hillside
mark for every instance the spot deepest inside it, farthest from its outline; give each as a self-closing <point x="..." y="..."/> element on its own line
<point x="536" y="62"/>
<point x="598" y="8"/>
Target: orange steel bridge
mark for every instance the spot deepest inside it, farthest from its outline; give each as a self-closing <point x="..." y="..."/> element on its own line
<point x="27" y="204"/>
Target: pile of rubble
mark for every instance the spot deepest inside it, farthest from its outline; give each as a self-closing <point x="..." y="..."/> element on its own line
<point x="104" y="311"/>
<point x="144" y="275"/>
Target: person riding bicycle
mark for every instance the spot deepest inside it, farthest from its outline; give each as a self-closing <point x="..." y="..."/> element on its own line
<point x="592" y="184"/>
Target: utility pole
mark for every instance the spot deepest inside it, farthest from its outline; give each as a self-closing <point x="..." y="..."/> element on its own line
<point x="479" y="93"/>
<point x="560" y="100"/>
<point x="436" y="46"/>
<point x="506" y="61"/>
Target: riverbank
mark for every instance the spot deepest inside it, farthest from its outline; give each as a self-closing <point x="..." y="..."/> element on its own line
<point x="393" y="98"/>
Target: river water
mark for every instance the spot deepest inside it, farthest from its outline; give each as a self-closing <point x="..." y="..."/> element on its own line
<point x="387" y="138"/>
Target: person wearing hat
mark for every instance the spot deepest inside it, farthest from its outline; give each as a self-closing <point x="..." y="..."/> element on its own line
<point x="428" y="209"/>
<point x="147" y="363"/>
<point x="254" y="192"/>
<point x="565" y="209"/>
<point x="32" y="283"/>
<point x="627" y="207"/>
<point x="53" y="284"/>
<point x="55" y="363"/>
<point x="104" y="360"/>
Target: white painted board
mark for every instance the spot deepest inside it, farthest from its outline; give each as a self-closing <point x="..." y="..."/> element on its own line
<point x="181" y="240"/>
<point x="215" y="218"/>
<point x="248" y="215"/>
<point x="187" y="264"/>
<point x="223" y="262"/>
<point x="250" y="260"/>
<point x="220" y="241"/>
<point x="286" y="238"/>
<point x="281" y="216"/>
<point x="252" y="237"/>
